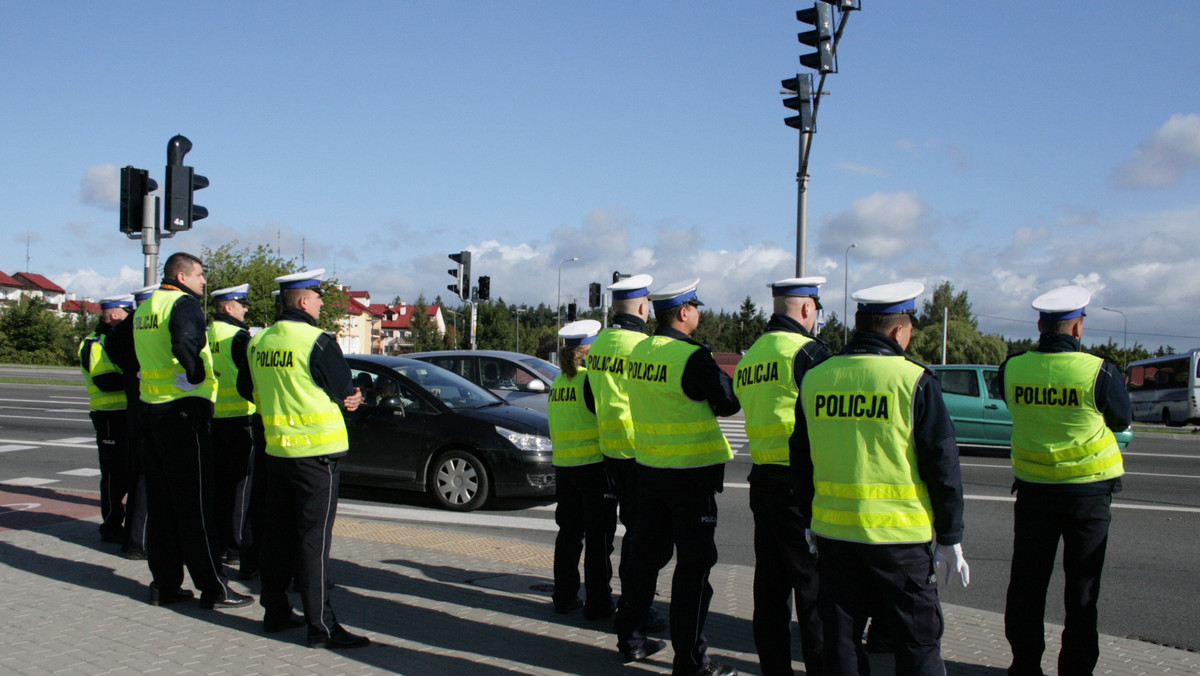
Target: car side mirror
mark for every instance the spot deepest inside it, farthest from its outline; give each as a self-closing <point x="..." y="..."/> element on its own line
<point x="393" y="404"/>
<point x="535" y="386"/>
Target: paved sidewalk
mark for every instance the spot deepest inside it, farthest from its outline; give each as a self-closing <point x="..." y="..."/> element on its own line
<point x="433" y="601"/>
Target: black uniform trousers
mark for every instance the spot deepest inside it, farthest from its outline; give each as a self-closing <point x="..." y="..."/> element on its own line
<point x="135" y="502"/>
<point x="116" y="470"/>
<point x="233" y="449"/>
<point x="1040" y="520"/>
<point x="892" y="582"/>
<point x="179" y="492"/>
<point x="622" y="478"/>
<point x="677" y="511"/>
<point x="783" y="569"/>
<point x="256" y="503"/>
<point x="586" y="515"/>
<point x="302" y="495"/>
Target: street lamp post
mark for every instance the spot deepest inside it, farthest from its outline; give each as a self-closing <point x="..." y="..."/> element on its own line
<point x="558" y="307"/>
<point x="846" y="297"/>
<point x="518" y="310"/>
<point x="1124" y="337"/>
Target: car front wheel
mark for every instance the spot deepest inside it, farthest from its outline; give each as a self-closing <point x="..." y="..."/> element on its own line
<point x="459" y="481"/>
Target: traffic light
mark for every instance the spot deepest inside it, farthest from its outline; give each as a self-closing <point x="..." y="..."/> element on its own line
<point x="485" y="288"/>
<point x="182" y="182"/>
<point x="821" y="37"/>
<point x="135" y="185"/>
<point x="802" y="102"/>
<point x="572" y="312"/>
<point x="594" y="295"/>
<point x="462" y="274"/>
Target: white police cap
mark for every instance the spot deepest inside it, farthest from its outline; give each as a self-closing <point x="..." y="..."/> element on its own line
<point x="1065" y="302"/>
<point x="309" y="279"/>
<point x="675" y="294"/>
<point x="632" y="287"/>
<point x="144" y="292"/>
<point x="797" y="286"/>
<point x="123" y="301"/>
<point x="232" y="293"/>
<point x="580" y="332"/>
<point x="892" y="298"/>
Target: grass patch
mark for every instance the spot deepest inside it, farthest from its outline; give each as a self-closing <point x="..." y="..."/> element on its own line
<point x="1163" y="429"/>
<point x="40" y="381"/>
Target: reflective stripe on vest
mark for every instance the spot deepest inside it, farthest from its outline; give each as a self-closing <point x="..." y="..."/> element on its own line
<point x="99" y="364"/>
<point x="858" y="409"/>
<point x="159" y="367"/>
<point x="607" y="362"/>
<point x="298" y="417"/>
<point x="229" y="403"/>
<point x="573" y="431"/>
<point x="1059" y="436"/>
<point x="764" y="384"/>
<point x="670" y="430"/>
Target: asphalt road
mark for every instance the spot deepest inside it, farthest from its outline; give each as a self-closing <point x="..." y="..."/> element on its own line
<point x="1149" y="590"/>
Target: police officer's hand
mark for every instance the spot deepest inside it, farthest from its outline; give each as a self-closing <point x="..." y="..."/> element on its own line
<point x="352" y="402"/>
<point x="952" y="556"/>
<point x="811" y="539"/>
<point x="181" y="382"/>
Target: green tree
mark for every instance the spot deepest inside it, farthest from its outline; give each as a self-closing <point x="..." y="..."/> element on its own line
<point x="228" y="266"/>
<point x="833" y="333"/>
<point x="425" y="336"/>
<point x="31" y="333"/>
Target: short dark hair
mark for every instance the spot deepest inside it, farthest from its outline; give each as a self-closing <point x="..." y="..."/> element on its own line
<point x="1053" y="327"/>
<point x="667" y="315"/>
<point x="180" y="262"/>
<point x="881" y="323"/>
<point x="290" y="298"/>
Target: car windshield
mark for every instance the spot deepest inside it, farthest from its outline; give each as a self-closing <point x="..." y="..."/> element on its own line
<point x="452" y="389"/>
<point x="549" y="371"/>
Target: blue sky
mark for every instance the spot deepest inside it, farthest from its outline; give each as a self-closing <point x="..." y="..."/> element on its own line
<point x="1005" y="147"/>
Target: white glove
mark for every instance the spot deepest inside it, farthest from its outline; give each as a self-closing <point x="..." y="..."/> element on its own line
<point x="952" y="555"/>
<point x="811" y="539"/>
<point x="182" y="383"/>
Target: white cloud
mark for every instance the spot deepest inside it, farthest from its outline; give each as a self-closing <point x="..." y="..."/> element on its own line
<point x="101" y="186"/>
<point x="862" y="169"/>
<point x="1164" y="157"/>
<point x="884" y="225"/>
<point x="88" y="283"/>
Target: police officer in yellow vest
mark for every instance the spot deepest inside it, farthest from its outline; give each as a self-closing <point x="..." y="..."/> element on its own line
<point x="300" y="382"/>
<point x="234" y="430"/>
<point x="1065" y="406"/>
<point x="607" y="362"/>
<point x="877" y="477"/>
<point x="767" y="383"/>
<point x="676" y="390"/>
<point x="120" y="348"/>
<point x="106" y="395"/>
<point x="586" y="513"/>
<point x="178" y="388"/>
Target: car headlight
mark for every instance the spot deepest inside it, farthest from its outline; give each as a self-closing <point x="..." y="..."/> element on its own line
<point x="526" y="442"/>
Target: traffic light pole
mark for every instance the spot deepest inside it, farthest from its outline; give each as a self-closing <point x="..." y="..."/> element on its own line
<point x="473" y="322"/>
<point x="150" y="238"/>
<point x="802" y="203"/>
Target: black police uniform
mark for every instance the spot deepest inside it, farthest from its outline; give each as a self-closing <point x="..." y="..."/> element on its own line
<point x="112" y="443"/>
<point x="783" y="566"/>
<point x="234" y="441"/>
<point x="179" y="475"/>
<point x="677" y="510"/>
<point x="893" y="582"/>
<point x="622" y="472"/>
<point x="1079" y="515"/>
<point x="121" y="351"/>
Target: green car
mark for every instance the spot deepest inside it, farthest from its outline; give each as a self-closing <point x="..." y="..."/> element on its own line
<point x="972" y="394"/>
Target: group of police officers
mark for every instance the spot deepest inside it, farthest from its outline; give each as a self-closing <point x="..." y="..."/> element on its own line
<point x="856" y="489"/>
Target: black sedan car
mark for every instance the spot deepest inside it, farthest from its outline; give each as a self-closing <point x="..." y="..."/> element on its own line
<point x="423" y="428"/>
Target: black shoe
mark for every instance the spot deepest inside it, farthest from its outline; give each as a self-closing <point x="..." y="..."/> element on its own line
<point x="245" y="574"/>
<point x="233" y="557"/>
<point x="274" y="625"/>
<point x="715" y="669"/>
<point x="136" y="554"/>
<point x="598" y="613"/>
<point x="160" y="597"/>
<point x="231" y="599"/>
<point x="569" y="606"/>
<point x="339" y="639"/>
<point x="638" y="653"/>
<point x="655" y="623"/>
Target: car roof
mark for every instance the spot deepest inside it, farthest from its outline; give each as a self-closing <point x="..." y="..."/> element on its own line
<point x="516" y="356"/>
<point x="385" y="360"/>
<point x="985" y="367"/>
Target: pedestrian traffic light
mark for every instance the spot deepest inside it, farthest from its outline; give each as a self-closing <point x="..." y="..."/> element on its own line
<point x="572" y="312"/>
<point x="594" y="295"/>
<point x="180" y="209"/>
<point x="485" y="288"/>
<point x="135" y="185"/>
<point x="462" y="275"/>
<point x="802" y="102"/>
<point x="821" y="37"/>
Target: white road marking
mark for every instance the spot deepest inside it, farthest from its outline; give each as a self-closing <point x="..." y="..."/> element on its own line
<point x="28" y="481"/>
<point x="15" y="447"/>
<point x="72" y="442"/>
<point x="83" y="471"/>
